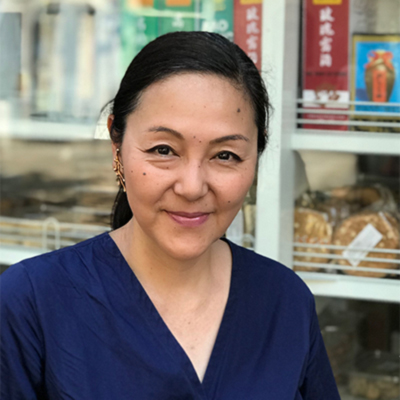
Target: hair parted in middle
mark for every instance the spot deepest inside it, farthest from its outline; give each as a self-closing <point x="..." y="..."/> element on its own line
<point x="178" y="53"/>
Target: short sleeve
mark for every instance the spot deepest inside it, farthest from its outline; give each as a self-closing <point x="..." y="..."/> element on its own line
<point x="20" y="337"/>
<point x="319" y="382"/>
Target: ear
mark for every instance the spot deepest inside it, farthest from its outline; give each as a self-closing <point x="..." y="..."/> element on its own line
<point x="110" y="121"/>
<point x="114" y="147"/>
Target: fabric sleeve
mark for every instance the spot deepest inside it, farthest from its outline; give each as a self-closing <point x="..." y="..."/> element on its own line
<point x="20" y="338"/>
<point x="319" y="382"/>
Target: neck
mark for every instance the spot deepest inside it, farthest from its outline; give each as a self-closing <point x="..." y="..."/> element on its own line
<point x="161" y="275"/>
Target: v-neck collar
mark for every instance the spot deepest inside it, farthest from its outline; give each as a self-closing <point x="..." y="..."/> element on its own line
<point x="166" y="338"/>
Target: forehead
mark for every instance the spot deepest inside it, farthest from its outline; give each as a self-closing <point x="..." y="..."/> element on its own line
<point x="196" y="94"/>
<point x="186" y="77"/>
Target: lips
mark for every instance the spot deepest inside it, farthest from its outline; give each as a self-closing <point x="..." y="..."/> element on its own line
<point x="189" y="220"/>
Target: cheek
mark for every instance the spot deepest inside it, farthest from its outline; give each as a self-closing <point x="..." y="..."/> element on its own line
<point x="233" y="191"/>
<point x="146" y="183"/>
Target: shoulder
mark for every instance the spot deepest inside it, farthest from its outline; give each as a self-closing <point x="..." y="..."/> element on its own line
<point x="62" y="266"/>
<point x="15" y="287"/>
<point x="272" y="298"/>
<point x="263" y="274"/>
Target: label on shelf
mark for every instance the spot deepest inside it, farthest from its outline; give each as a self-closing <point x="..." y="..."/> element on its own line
<point x="367" y="239"/>
<point x="326" y="60"/>
<point x="328" y="2"/>
<point x="248" y="28"/>
<point x="376" y="62"/>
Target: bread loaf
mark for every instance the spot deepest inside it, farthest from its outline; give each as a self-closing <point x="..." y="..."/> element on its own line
<point x="364" y="196"/>
<point x="351" y="227"/>
<point x="312" y="227"/>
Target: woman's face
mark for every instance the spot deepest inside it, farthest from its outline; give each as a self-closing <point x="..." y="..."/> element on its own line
<point x="189" y="156"/>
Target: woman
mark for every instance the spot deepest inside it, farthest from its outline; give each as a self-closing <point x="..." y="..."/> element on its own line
<point x="162" y="308"/>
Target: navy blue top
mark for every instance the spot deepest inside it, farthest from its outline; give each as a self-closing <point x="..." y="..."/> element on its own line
<point x="77" y="324"/>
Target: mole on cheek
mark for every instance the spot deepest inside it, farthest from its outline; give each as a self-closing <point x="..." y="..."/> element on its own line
<point x="238" y="110"/>
<point x="144" y="173"/>
<point x="229" y="201"/>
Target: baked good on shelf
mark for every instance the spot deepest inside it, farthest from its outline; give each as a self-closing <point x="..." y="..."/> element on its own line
<point x="351" y="228"/>
<point x="335" y="208"/>
<point x="311" y="226"/>
<point x="364" y="196"/>
<point x="375" y="375"/>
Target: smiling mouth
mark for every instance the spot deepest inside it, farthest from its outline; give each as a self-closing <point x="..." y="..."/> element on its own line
<point x="189" y="220"/>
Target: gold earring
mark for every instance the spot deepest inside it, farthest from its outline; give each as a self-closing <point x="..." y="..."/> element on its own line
<point x="118" y="168"/>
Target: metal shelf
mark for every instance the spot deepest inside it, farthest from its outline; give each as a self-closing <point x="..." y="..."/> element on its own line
<point x="334" y="281"/>
<point x="42" y="235"/>
<point x="346" y="141"/>
<point x="368" y="137"/>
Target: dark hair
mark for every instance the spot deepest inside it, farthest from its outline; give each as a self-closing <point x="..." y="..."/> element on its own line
<point x="182" y="52"/>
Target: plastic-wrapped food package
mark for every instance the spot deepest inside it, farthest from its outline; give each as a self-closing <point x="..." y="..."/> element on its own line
<point x="375" y="376"/>
<point x="361" y="198"/>
<point x="339" y="203"/>
<point x="311" y="227"/>
<point x="336" y="209"/>
<point x="361" y="217"/>
<point x="366" y="231"/>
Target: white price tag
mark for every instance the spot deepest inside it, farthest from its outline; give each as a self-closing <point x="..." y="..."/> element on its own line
<point x="367" y="239"/>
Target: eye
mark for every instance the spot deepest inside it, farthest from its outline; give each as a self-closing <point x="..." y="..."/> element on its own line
<point x="162" y="150"/>
<point x="228" y="156"/>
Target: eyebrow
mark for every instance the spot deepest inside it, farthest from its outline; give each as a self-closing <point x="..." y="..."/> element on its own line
<point x="168" y="130"/>
<point x="214" y="141"/>
<point x="229" y="137"/>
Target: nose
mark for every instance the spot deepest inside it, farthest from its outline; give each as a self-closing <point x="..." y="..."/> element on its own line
<point x="192" y="181"/>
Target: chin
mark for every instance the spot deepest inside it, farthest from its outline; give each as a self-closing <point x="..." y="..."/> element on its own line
<point x="186" y="249"/>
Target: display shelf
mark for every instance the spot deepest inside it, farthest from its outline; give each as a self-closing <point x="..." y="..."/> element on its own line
<point x="352" y="287"/>
<point x="365" y="132"/>
<point x="346" y="141"/>
<point x="31" y="129"/>
<point x="281" y="170"/>
<point x="337" y="254"/>
<point x="337" y="278"/>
